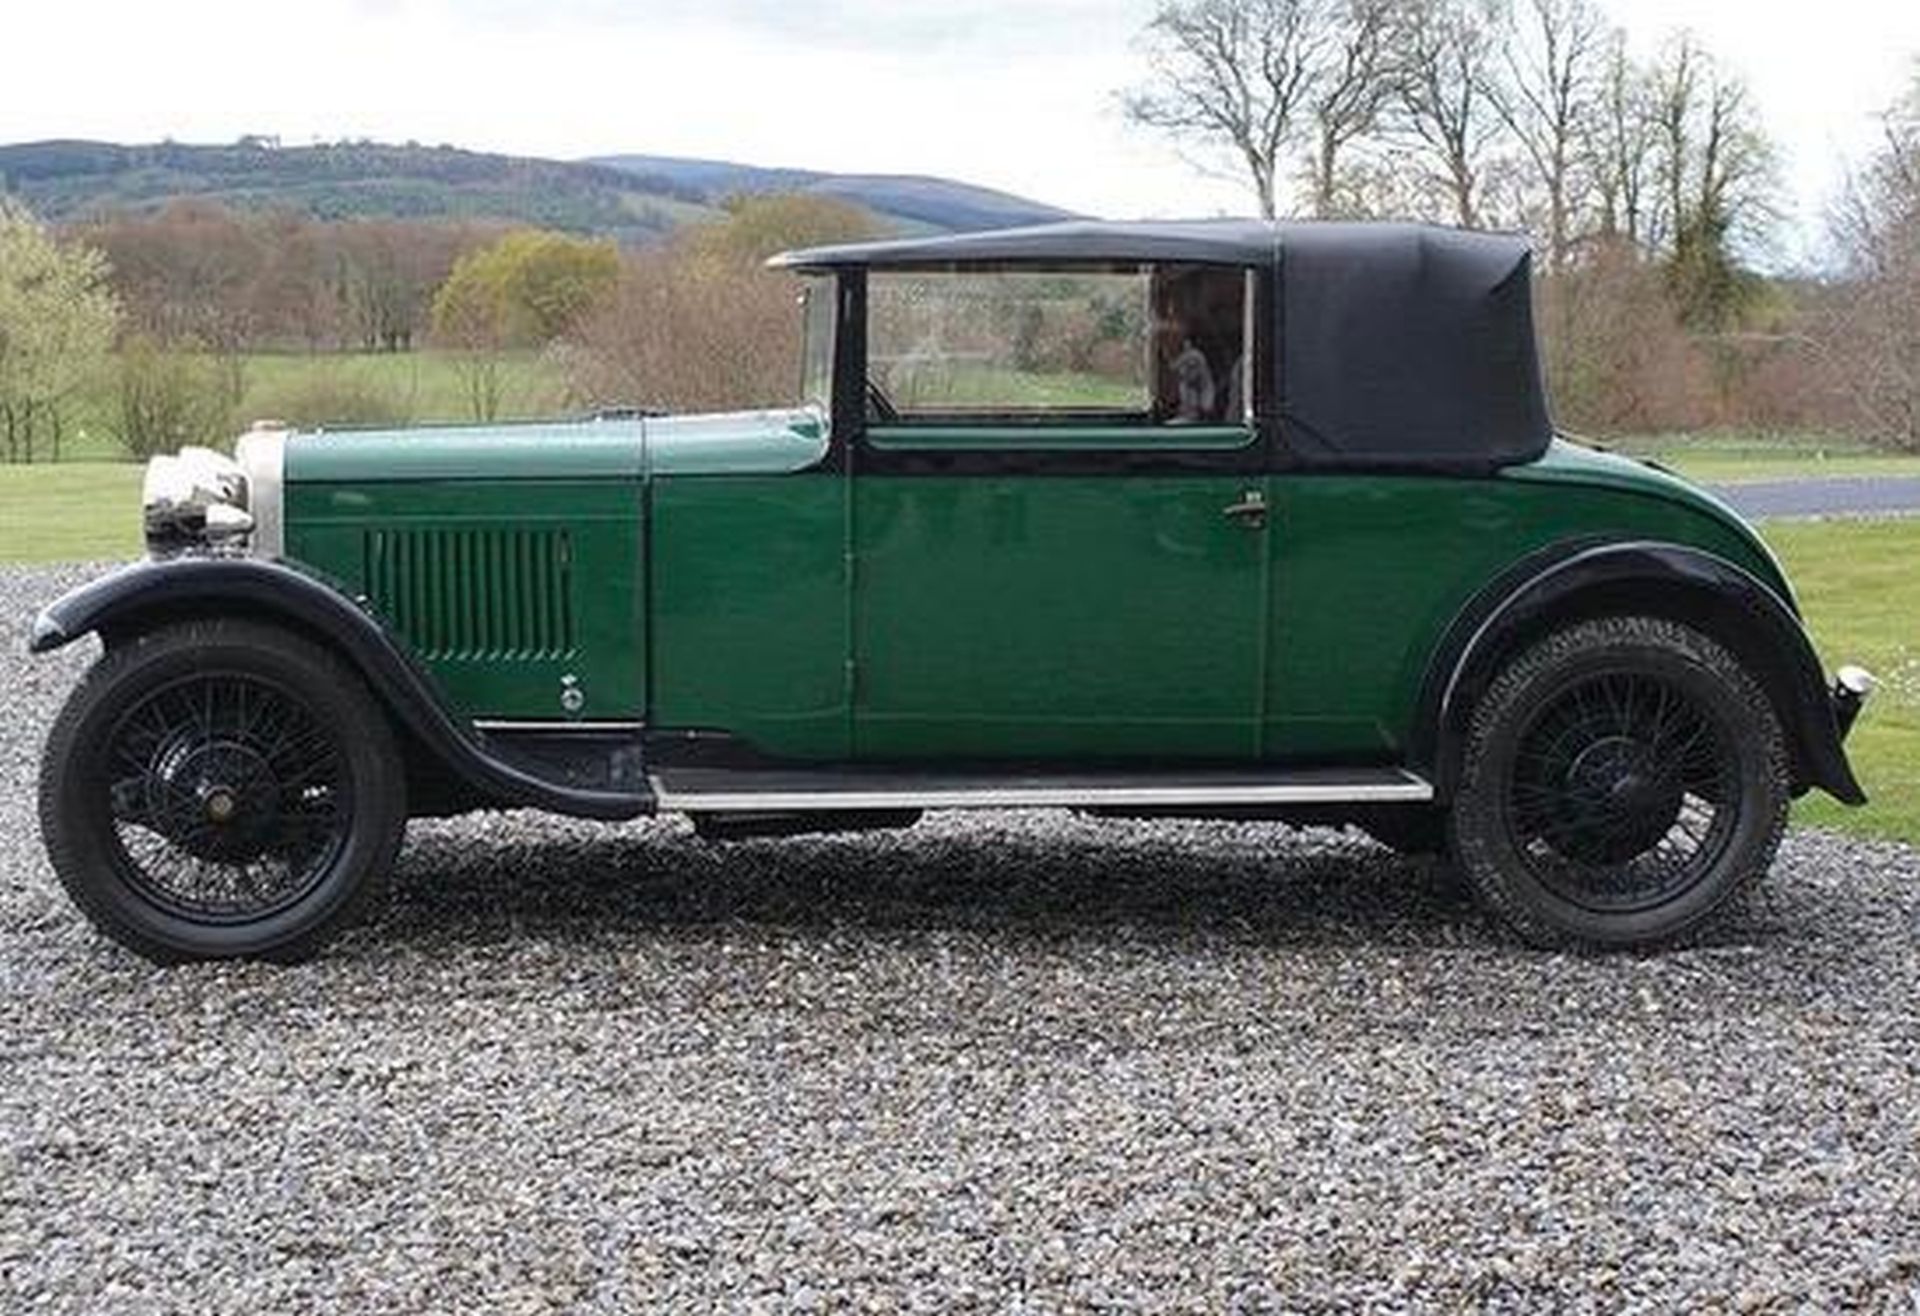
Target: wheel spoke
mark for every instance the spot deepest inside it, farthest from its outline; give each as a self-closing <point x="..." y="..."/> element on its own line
<point x="1616" y="793"/>
<point x="229" y="796"/>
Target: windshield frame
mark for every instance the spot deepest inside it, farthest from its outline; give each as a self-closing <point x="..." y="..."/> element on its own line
<point x="819" y="333"/>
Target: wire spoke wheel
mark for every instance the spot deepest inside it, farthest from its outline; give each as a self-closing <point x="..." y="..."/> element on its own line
<point x="1621" y="780"/>
<point x="1624" y="792"/>
<point x="229" y="798"/>
<point x="222" y="789"/>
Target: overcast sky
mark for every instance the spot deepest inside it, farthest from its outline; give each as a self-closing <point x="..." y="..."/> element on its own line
<point x="1017" y="94"/>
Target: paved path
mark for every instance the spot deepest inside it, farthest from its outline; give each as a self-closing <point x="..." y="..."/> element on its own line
<point x="1826" y="496"/>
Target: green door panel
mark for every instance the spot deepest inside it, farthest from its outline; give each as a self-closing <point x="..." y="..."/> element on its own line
<point x="749" y="603"/>
<point x="504" y="589"/>
<point x="1369" y="570"/>
<point x="1056" y="617"/>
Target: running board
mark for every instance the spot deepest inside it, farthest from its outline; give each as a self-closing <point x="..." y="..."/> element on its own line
<point x="714" y="790"/>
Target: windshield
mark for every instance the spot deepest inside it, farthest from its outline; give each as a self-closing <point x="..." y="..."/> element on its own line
<point x="816" y="352"/>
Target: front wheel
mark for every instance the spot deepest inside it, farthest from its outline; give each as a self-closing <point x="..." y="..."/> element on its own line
<point x="1623" y="779"/>
<point x="221" y="789"/>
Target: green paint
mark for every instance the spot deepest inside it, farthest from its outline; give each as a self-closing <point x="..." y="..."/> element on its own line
<point x="713" y="582"/>
<point x="736" y="443"/>
<point x="1369" y="570"/>
<point x="579" y="450"/>
<point x="502" y="587"/>
<point x="1008" y="616"/>
<point x="749" y="610"/>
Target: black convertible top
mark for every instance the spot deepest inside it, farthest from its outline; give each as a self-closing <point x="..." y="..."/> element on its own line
<point x="1401" y="345"/>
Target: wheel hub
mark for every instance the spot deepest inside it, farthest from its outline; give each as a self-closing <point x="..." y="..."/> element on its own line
<point x="1621" y="801"/>
<point x="217" y="799"/>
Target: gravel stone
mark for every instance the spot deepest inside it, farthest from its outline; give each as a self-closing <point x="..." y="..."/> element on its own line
<point x="1026" y="1062"/>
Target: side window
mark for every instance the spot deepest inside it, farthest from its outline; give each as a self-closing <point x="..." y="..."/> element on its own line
<point x="1132" y="345"/>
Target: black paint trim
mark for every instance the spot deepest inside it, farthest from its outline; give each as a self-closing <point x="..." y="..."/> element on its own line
<point x="159" y="593"/>
<point x="1582" y="578"/>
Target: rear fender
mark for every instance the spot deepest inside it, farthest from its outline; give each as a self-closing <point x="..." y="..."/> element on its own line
<point x="1575" y="582"/>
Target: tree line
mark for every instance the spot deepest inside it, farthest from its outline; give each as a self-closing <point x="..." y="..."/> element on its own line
<point x="1650" y="186"/>
<point x="161" y="311"/>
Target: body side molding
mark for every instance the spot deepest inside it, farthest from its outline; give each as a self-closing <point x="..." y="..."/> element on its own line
<point x="153" y="593"/>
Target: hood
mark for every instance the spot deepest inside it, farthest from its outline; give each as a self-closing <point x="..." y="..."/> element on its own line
<point x="743" y="442"/>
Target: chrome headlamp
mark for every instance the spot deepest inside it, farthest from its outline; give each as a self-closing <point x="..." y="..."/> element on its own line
<point x="199" y="499"/>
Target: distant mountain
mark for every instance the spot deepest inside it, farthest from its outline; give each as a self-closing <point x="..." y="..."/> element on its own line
<point x="632" y="197"/>
<point x="908" y="201"/>
<point x="67" y="180"/>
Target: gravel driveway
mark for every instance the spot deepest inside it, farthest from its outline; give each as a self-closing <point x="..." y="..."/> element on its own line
<point x="1024" y="1063"/>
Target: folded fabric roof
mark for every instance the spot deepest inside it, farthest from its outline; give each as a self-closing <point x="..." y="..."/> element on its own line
<point x="1401" y="345"/>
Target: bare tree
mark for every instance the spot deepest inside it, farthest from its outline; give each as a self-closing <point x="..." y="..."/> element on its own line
<point x="1715" y="170"/>
<point x="1448" y="110"/>
<point x="1620" y="147"/>
<point x="1354" y="76"/>
<point x="1874" y="333"/>
<point x="1548" y="98"/>
<point x="1235" y="74"/>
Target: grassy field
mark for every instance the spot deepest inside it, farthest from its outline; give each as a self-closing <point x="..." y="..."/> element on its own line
<point x="1858" y="580"/>
<point x="409" y="387"/>
<point x="1737" y="459"/>
<point x="73" y="511"/>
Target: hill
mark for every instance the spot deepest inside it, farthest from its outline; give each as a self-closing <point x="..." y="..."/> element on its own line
<point x="908" y="201"/>
<point x="633" y="197"/>
<point x="67" y="180"/>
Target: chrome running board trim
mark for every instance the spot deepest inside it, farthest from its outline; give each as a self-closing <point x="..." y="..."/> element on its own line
<point x="709" y="791"/>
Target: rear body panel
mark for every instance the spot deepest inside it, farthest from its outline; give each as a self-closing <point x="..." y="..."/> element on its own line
<point x="1369" y="571"/>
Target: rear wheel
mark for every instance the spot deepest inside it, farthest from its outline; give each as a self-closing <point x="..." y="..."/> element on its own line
<point x="221" y="789"/>
<point x="1622" y="780"/>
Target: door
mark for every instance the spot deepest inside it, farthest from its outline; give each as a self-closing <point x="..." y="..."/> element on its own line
<point x="1079" y="582"/>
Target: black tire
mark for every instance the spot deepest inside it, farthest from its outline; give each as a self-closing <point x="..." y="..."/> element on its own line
<point x="1622" y="780"/>
<point x="222" y="789"/>
<point x="1415" y="831"/>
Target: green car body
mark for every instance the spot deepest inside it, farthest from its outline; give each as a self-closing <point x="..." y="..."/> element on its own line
<point x="721" y="581"/>
<point x="1290" y="599"/>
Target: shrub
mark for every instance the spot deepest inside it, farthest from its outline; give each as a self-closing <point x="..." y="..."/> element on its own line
<point x="167" y="397"/>
<point x="333" y="395"/>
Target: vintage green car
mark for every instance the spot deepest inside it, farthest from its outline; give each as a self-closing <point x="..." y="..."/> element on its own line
<point x="1217" y="520"/>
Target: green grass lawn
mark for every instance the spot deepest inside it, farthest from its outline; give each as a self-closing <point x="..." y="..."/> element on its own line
<point x="1859" y="582"/>
<point x="402" y="387"/>
<point x="75" y="511"/>
<point x="1736" y="458"/>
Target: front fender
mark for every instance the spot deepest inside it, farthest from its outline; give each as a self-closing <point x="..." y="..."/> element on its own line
<point x="1683" y="583"/>
<point x="160" y="592"/>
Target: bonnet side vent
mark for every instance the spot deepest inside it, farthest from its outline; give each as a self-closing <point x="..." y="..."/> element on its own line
<point x="496" y="595"/>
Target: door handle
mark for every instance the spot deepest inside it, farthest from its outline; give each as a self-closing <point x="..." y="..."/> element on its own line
<point x="1251" y="510"/>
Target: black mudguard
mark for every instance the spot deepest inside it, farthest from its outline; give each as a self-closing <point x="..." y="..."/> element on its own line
<point x="160" y="592"/>
<point x="1685" y="584"/>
